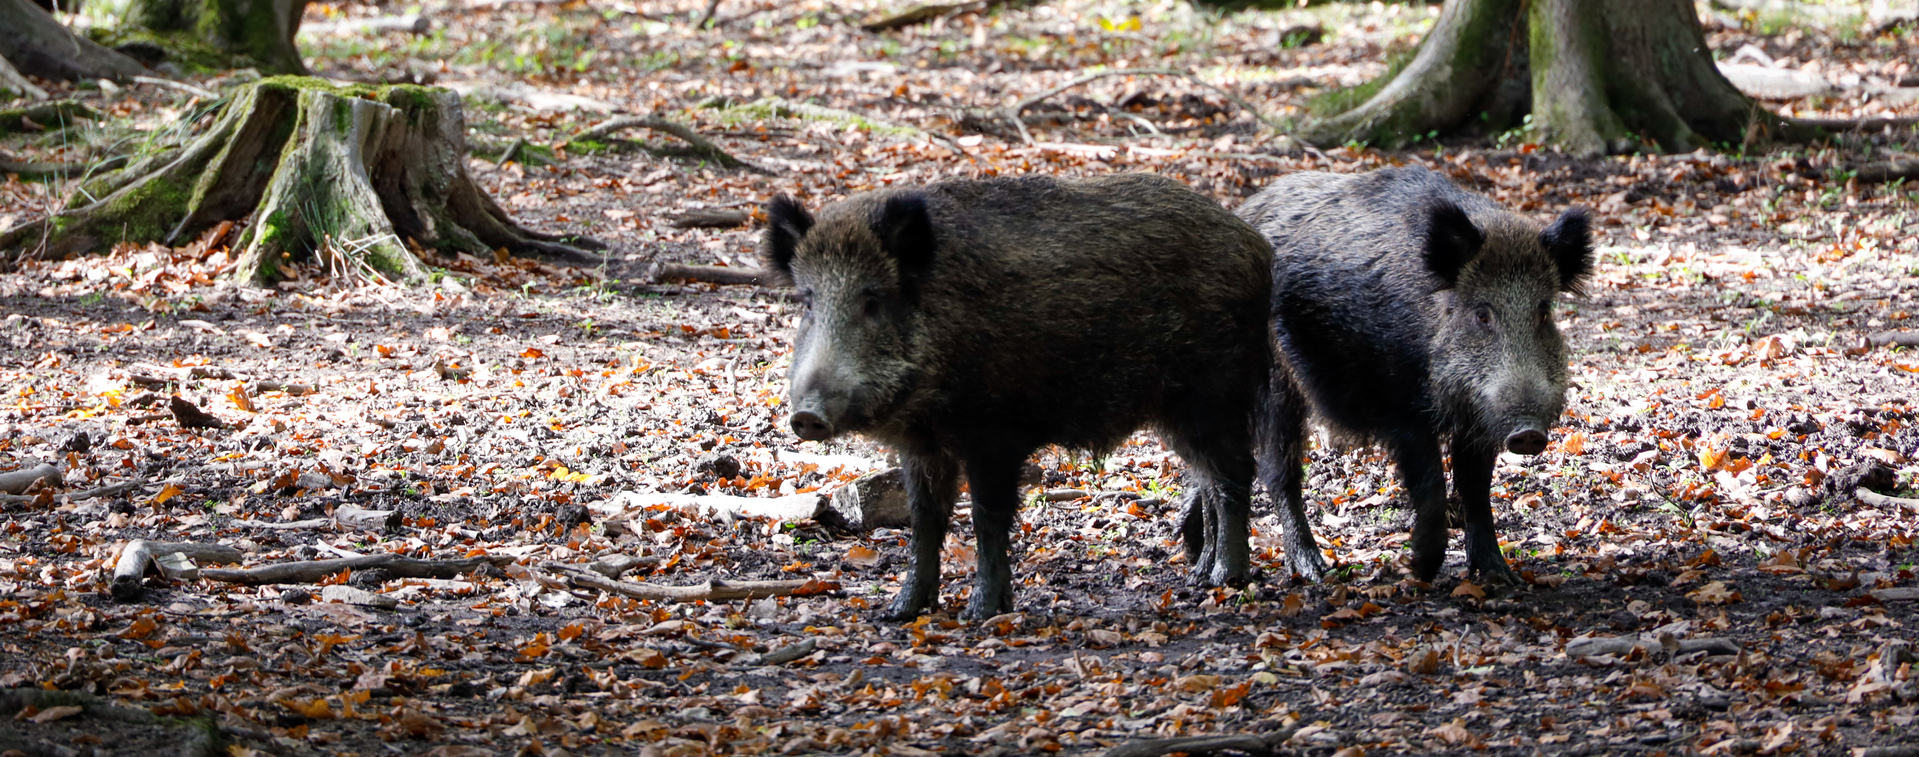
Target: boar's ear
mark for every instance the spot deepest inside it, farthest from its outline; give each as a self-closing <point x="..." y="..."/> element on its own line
<point x="905" y="228"/>
<point x="786" y="223"/>
<point x="1569" y="242"/>
<point x="1452" y="241"/>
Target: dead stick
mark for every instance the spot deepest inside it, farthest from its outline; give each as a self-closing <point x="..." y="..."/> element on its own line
<point x="1252" y="745"/>
<point x="16" y="481"/>
<point x="372" y="520"/>
<point x="711" y="591"/>
<point x="1888" y="170"/>
<point x="1893" y="339"/>
<point x="139" y="554"/>
<point x="1619" y="645"/>
<point x="311" y="571"/>
<point x="716" y="274"/>
<point x="700" y="144"/>
<point x="920" y="14"/>
<point x="712" y="7"/>
<point x="1876" y="499"/>
<point x="84" y="494"/>
<point x="1095" y="76"/>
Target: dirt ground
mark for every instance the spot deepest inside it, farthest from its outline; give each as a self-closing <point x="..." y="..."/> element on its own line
<point x="1699" y="494"/>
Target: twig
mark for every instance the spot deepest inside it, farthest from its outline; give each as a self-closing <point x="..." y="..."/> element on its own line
<point x="10" y="164"/>
<point x="179" y="85"/>
<point x="100" y="491"/>
<point x="1029" y="102"/>
<point x="1876" y="499"/>
<point x="1619" y="645"/>
<point x="699" y="144"/>
<point x="711" y="591"/>
<point x="920" y="14"/>
<point x="311" y="571"/>
<point x="714" y="274"/>
<point x="512" y="148"/>
<point x="712" y="7"/>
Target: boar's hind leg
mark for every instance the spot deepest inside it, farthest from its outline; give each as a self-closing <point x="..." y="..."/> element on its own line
<point x="1472" y="481"/>
<point x="1425" y="481"/>
<point x="1283" y="451"/>
<point x="932" y="485"/>
<point x="1218" y="500"/>
<point x="994" y="482"/>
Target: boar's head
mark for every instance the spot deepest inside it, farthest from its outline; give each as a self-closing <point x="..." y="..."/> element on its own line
<point x="1498" y="361"/>
<point x="858" y="270"/>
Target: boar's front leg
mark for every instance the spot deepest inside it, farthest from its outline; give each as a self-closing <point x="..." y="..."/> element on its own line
<point x="994" y="483"/>
<point x="1472" y="481"/>
<point x="1421" y="472"/>
<point x="932" y="485"/>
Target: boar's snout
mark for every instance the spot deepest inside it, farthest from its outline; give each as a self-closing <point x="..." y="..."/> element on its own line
<point x="813" y="427"/>
<point x="1525" y="441"/>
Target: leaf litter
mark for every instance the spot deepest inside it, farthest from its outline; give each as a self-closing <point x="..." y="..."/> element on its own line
<point x="1704" y="573"/>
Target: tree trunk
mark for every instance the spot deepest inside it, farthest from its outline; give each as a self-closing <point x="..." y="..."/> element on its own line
<point x="258" y="31"/>
<point x="1605" y="76"/>
<point x="37" y="45"/>
<point x="353" y="177"/>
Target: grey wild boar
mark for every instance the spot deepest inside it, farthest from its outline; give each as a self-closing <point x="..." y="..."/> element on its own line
<point x="967" y="324"/>
<point x="1409" y="312"/>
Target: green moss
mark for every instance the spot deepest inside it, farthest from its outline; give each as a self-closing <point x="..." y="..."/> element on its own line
<point x="51" y="115"/>
<point x="184" y="48"/>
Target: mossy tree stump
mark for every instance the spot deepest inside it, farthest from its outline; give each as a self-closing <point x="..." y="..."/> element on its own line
<point x="258" y="31"/>
<point x="361" y="174"/>
<point x="1596" y="76"/>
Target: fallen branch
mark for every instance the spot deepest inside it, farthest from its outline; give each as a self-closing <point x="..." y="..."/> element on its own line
<point x="16" y="481"/>
<point x="712" y="274"/>
<point x="1896" y="594"/>
<point x="140" y="555"/>
<point x="345" y="517"/>
<point x="700" y="145"/>
<point x="1875" y="499"/>
<point x="920" y="14"/>
<point x="412" y="24"/>
<point x="84" y="494"/>
<point x="1257" y="746"/>
<point x="1893" y="339"/>
<point x="712" y="218"/>
<point x="1014" y="114"/>
<point x="311" y="571"/>
<point x="712" y="7"/>
<point x="1624" y="645"/>
<point x="713" y="590"/>
<point x="1887" y="171"/>
<point x="51" y="115"/>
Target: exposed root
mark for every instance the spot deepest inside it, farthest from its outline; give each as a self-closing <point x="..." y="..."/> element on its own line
<point x="701" y="145"/>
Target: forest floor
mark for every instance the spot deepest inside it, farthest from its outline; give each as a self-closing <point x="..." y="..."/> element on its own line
<point x="1728" y="397"/>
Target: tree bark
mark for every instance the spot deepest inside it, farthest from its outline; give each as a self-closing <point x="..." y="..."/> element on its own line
<point x="38" y="45"/>
<point x="259" y="30"/>
<point x="1605" y="76"/>
<point x="360" y="176"/>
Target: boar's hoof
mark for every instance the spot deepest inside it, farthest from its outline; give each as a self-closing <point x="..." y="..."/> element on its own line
<point x="978" y="610"/>
<point x="811" y="427"/>
<point x="904" y="609"/>
<point x="1307" y="564"/>
<point x="1529" y="441"/>
<point x="1499" y="574"/>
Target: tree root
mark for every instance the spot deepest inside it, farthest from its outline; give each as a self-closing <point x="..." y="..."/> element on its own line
<point x="311" y="571"/>
<point x="713" y="590"/>
<point x="10" y="79"/>
<point x="361" y="177"/>
<point x="49" y="115"/>
<point x="701" y="146"/>
<point x="785" y="108"/>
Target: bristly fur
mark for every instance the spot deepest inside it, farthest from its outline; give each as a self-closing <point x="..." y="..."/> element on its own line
<point x="1411" y="312"/>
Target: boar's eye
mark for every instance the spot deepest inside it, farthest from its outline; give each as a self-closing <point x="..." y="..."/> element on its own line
<point x="1483" y="314"/>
